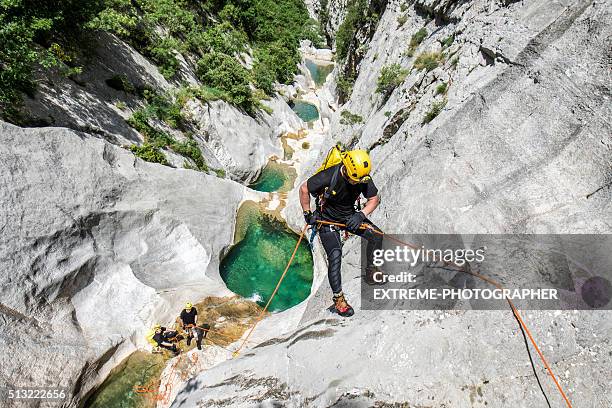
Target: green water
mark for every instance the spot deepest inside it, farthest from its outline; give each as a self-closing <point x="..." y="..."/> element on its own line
<point x="306" y="111"/>
<point x="275" y="177"/>
<point x="319" y="72"/>
<point x="253" y="267"/>
<point x="117" y="391"/>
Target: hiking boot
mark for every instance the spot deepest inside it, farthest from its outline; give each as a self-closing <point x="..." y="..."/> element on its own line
<point x="369" y="276"/>
<point x="342" y="307"/>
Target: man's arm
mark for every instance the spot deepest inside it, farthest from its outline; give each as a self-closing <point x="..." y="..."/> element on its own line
<point x="304" y="197"/>
<point x="371" y="205"/>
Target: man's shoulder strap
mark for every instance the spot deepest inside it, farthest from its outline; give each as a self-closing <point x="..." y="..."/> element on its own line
<point x="331" y="189"/>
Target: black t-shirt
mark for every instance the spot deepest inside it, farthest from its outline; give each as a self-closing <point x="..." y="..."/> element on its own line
<point x="159" y="337"/>
<point x="341" y="205"/>
<point x="189" y="317"/>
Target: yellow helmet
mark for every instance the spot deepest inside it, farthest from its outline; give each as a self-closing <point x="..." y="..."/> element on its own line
<point x="157" y="327"/>
<point x="357" y="164"/>
<point x="188" y="305"/>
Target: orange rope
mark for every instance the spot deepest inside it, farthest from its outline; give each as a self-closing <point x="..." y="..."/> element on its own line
<point x="486" y="279"/>
<point x="263" y="312"/>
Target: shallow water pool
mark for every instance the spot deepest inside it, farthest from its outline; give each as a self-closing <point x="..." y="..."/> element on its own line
<point x="305" y="111"/>
<point x="254" y="265"/>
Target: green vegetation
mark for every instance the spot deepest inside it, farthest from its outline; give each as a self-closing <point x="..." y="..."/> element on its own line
<point x="345" y="85"/>
<point x="349" y="118"/>
<point x="403" y="7"/>
<point x="355" y="17"/>
<point x="162" y="108"/>
<point x="388" y="113"/>
<point x="448" y="41"/>
<point x="416" y="39"/>
<point x="428" y="60"/>
<point x="120" y="105"/>
<point x="401" y="20"/>
<point x="39" y="36"/>
<point x="323" y="14"/>
<point x="220" y="71"/>
<point x="149" y="153"/>
<point x="440" y="89"/>
<point x="434" y="111"/>
<point x="390" y="77"/>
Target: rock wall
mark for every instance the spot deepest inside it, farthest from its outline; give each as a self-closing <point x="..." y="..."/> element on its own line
<point x="519" y="142"/>
<point x="95" y="243"/>
<point x="230" y="140"/>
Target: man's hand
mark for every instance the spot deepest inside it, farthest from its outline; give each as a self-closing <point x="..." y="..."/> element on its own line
<point x="311" y="218"/>
<point x="354" y="222"/>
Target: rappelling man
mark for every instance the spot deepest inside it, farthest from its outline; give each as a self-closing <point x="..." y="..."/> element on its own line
<point x="337" y="186"/>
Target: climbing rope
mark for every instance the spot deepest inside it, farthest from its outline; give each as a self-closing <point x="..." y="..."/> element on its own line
<point x="515" y="312"/>
<point x="265" y="309"/>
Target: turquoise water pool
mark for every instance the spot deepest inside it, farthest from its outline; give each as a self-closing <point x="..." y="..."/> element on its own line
<point x="318" y="72"/>
<point x="275" y="177"/>
<point x="306" y="111"/>
<point x="254" y="265"/>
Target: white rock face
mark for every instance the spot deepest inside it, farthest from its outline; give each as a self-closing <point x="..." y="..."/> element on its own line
<point x="523" y="145"/>
<point x="240" y="143"/>
<point x="94" y="244"/>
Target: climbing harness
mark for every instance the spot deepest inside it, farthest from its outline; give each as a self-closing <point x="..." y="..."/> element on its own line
<point x="514" y="310"/>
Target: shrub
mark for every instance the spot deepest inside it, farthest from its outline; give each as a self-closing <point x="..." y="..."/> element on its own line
<point x="263" y="77"/>
<point x="163" y="108"/>
<point x="191" y="150"/>
<point x="163" y="54"/>
<point x="277" y="60"/>
<point x="401" y="20"/>
<point x="224" y="73"/>
<point x="434" y="111"/>
<point x="448" y="41"/>
<point x="153" y="136"/>
<point x="418" y="37"/>
<point x="428" y="60"/>
<point x="120" y="105"/>
<point x="440" y="89"/>
<point x="388" y="113"/>
<point x="149" y="153"/>
<point x="220" y="173"/>
<point x="305" y="145"/>
<point x="390" y="77"/>
<point x="415" y="41"/>
<point x="349" y="118"/>
<point x="202" y="93"/>
<point x="403" y="7"/>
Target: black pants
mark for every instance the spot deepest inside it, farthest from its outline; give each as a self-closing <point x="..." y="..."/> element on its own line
<point x="330" y="238"/>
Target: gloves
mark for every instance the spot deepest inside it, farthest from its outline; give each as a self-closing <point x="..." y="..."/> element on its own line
<point x="355" y="220"/>
<point x="311" y="218"/>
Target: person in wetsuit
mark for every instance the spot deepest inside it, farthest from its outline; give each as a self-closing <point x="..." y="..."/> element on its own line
<point x="337" y="189"/>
